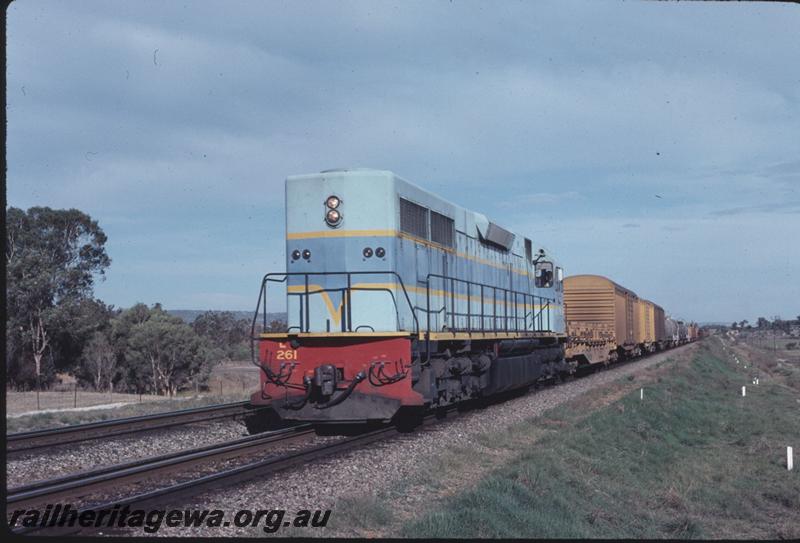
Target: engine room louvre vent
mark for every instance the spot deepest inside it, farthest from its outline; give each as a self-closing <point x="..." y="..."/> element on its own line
<point x="443" y="230"/>
<point x="499" y="236"/>
<point x="413" y="219"/>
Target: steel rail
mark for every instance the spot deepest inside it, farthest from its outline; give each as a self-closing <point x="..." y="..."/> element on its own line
<point x="38" y="439"/>
<point x="244" y="473"/>
<point x="80" y="484"/>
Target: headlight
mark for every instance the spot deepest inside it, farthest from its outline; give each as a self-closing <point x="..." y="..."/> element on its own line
<point x="306" y="254"/>
<point x="295" y="254"/>
<point x="333" y="202"/>
<point x="380" y="252"/>
<point x="333" y="217"/>
<point x="367" y="252"/>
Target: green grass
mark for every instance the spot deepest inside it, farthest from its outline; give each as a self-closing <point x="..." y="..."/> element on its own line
<point x="693" y="460"/>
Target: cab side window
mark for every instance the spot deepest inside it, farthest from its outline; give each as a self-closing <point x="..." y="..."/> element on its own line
<point x="544" y="275"/>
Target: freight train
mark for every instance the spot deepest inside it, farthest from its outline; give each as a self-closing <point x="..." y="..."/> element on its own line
<point x="607" y="322"/>
<point x="400" y="302"/>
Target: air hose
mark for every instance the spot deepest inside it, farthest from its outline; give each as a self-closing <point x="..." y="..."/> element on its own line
<point x="300" y="403"/>
<point x="344" y="395"/>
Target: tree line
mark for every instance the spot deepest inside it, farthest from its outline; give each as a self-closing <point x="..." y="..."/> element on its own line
<point x="762" y="323"/>
<point x="54" y="323"/>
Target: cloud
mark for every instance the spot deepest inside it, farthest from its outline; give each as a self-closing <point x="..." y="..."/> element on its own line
<point x="542" y="198"/>
<point x="496" y="108"/>
<point x="774" y="207"/>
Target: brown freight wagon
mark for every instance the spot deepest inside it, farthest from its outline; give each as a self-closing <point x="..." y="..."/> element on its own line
<point x="602" y="319"/>
<point x="651" y="332"/>
<point x="660" y="320"/>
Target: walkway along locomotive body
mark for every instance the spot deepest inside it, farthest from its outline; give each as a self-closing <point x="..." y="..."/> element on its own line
<point x="398" y="300"/>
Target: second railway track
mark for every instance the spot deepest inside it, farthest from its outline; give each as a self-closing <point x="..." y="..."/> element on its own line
<point x="72" y="485"/>
<point x="82" y="484"/>
<point x="40" y="439"/>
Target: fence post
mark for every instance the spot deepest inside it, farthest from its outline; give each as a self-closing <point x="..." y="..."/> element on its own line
<point x="743" y="391"/>
<point x="75" y="398"/>
<point x="789" y="458"/>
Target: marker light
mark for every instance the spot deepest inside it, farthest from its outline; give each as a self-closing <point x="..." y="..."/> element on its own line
<point x="306" y="254"/>
<point x="333" y="202"/>
<point x="295" y="254"/>
<point x="380" y="252"/>
<point x="367" y="252"/>
<point x="333" y="217"/>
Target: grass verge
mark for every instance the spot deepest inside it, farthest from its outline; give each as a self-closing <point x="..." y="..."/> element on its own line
<point x="693" y="460"/>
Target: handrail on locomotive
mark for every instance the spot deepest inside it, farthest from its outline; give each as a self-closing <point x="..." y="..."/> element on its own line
<point x="536" y="324"/>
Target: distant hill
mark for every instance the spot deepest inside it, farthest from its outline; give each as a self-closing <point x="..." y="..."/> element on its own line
<point x="189" y="315"/>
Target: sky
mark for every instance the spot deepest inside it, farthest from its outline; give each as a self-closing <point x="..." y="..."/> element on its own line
<point x="656" y="143"/>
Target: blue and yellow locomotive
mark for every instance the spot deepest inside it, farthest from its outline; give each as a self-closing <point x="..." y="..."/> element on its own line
<point x="399" y="301"/>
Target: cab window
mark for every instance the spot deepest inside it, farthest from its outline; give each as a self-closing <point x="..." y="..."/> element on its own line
<point x="544" y="275"/>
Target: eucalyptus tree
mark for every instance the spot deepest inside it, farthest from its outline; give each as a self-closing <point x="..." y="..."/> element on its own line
<point x="52" y="259"/>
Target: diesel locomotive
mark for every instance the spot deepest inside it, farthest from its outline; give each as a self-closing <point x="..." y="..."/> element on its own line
<point x="400" y="302"/>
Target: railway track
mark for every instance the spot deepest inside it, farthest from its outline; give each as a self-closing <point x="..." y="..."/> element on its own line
<point x="79" y="485"/>
<point x="40" y="439"/>
<point x="72" y="485"/>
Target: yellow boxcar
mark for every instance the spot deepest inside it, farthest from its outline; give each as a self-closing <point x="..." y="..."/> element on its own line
<point x="601" y="318"/>
<point x="659" y="321"/>
<point x="651" y="332"/>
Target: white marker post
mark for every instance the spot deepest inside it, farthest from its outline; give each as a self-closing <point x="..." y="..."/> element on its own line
<point x="756" y="380"/>
<point x="743" y="391"/>
<point x="641" y="394"/>
<point x="789" y="458"/>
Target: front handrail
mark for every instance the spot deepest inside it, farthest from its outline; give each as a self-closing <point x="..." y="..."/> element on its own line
<point x="531" y="320"/>
<point x="283" y="277"/>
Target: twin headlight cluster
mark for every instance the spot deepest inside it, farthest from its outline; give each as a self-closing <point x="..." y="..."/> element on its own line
<point x="380" y="252"/>
<point x="333" y="215"/>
